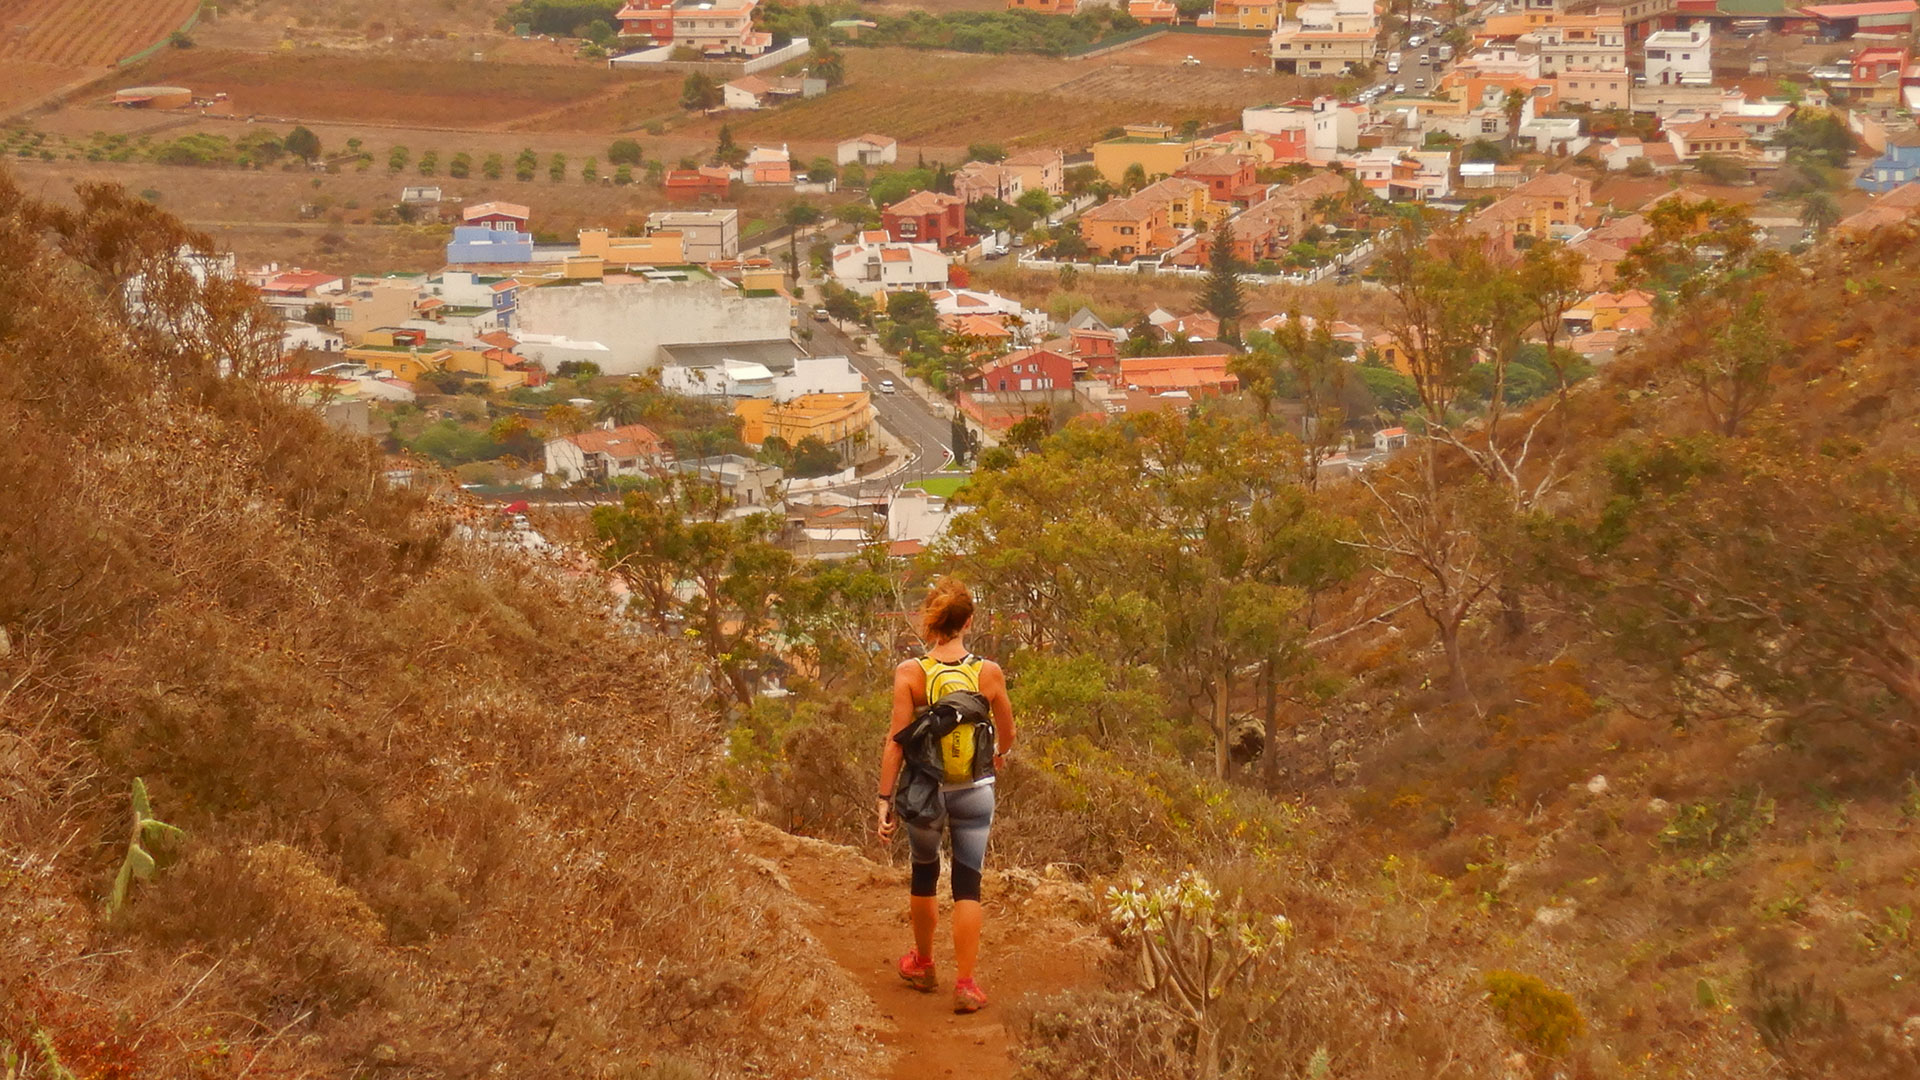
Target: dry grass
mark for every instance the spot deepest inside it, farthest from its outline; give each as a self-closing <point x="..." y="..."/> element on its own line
<point x="384" y="88"/>
<point x="444" y="813"/>
<point x="948" y="100"/>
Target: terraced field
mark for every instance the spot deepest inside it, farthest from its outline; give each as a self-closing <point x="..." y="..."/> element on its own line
<point x="47" y="43"/>
<point x="951" y="100"/>
<point x="387" y="89"/>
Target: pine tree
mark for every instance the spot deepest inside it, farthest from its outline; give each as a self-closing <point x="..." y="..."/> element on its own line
<point x="1221" y="293"/>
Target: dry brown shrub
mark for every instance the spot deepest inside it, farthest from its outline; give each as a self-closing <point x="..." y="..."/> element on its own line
<point x="446" y="814"/>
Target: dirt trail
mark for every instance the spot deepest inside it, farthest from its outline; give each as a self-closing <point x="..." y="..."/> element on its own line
<point x="1035" y="943"/>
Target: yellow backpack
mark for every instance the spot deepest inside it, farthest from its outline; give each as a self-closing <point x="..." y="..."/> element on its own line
<point x="943" y="678"/>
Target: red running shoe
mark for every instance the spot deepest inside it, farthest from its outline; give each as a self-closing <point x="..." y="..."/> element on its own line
<point x="968" y="997"/>
<point x="917" y="972"/>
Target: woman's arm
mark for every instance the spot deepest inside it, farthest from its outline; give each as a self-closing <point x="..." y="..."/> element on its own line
<point x="906" y="677"/>
<point x="993" y="685"/>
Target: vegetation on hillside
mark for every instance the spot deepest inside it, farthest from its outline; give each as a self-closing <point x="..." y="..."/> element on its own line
<point x="438" y="814"/>
<point x="1578" y="738"/>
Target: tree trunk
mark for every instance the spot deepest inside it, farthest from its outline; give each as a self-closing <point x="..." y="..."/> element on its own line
<point x="1456" y="664"/>
<point x="1513" y="611"/>
<point x="1222" y="736"/>
<point x="1207" y="1051"/>
<point x="1270" y="753"/>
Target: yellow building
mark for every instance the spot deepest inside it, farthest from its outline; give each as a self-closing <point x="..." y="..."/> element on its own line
<point x="1246" y="14"/>
<point x="409" y="362"/>
<point x="474" y="362"/>
<point x="1186" y="201"/>
<point x="1153" y="147"/>
<point x="840" y="420"/>
<point x="1127" y="229"/>
<point x="660" y="249"/>
<point x="369" y="307"/>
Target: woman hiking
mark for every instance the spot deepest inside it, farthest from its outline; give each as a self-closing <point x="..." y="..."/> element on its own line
<point x="966" y="798"/>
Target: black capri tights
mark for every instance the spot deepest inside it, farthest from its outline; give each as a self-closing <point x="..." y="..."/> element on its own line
<point x="969" y="817"/>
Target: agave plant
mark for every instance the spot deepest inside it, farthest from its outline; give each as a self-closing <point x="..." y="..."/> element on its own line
<point x="147" y="831"/>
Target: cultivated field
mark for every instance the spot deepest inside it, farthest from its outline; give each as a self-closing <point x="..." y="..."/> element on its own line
<point x="390" y="89"/>
<point x="1212" y="50"/>
<point x="947" y="100"/>
<point x="45" y="44"/>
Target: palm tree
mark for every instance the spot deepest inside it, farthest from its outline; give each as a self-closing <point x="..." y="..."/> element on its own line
<point x="1819" y="211"/>
<point x="620" y="406"/>
<point x="1513" y="106"/>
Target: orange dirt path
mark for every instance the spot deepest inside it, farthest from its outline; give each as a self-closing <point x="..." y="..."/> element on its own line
<point x="858" y="911"/>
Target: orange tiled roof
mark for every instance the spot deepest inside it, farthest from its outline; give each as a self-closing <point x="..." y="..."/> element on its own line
<point x="924" y="202"/>
<point x="629" y="441"/>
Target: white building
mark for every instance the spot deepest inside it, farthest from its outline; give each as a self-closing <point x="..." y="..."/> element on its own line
<point x="868" y="150"/>
<point x="634" y="319"/>
<point x="370" y="384"/>
<point x="874" y="264"/>
<point x="1329" y="37"/>
<point x="296" y="335"/>
<point x="552" y="350"/>
<point x="1329" y="125"/>
<point x="913" y="514"/>
<point x="1680" y="57"/>
<point x="819" y="375"/>
<point x="705" y="235"/>
<point x="603" y="453"/>
<point x="728" y="379"/>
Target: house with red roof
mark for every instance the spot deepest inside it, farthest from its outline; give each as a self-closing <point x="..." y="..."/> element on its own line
<point x="927" y="217"/>
<point x="693" y="185"/>
<point x="977" y="180"/>
<point x="1198" y="376"/>
<point x="499" y="216"/>
<point x="600" y="454"/>
<point x="1025" y="371"/>
<point x="1229" y="177"/>
<point x="874" y="263"/>
<point x="1840" y="22"/>
<point x="1709" y="136"/>
<point x="768" y="165"/>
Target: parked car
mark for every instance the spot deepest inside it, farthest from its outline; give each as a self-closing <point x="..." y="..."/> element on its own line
<point x="1400" y="88"/>
<point x="820" y="314"/>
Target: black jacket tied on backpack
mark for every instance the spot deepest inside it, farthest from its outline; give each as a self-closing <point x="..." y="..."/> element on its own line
<point x="916" y="795"/>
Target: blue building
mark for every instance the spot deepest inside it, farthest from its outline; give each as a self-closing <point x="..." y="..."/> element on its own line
<point x="1900" y="164"/>
<point x="479" y="244"/>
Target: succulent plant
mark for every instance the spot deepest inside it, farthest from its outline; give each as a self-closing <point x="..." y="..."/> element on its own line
<point x="147" y="831"/>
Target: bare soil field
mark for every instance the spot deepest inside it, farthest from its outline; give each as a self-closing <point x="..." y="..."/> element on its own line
<point x="45" y="44"/>
<point x="945" y="100"/>
<point x="386" y="88"/>
<point x="1212" y="50"/>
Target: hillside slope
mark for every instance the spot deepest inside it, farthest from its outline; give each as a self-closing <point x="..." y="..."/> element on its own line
<point x="442" y="816"/>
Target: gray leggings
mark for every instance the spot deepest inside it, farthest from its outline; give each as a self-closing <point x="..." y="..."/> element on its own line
<point x="969" y="818"/>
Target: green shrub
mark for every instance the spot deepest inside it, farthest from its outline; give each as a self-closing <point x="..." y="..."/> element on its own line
<point x="1538" y="1017"/>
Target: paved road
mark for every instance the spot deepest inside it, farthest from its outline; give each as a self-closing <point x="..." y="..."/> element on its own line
<point x="918" y="424"/>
